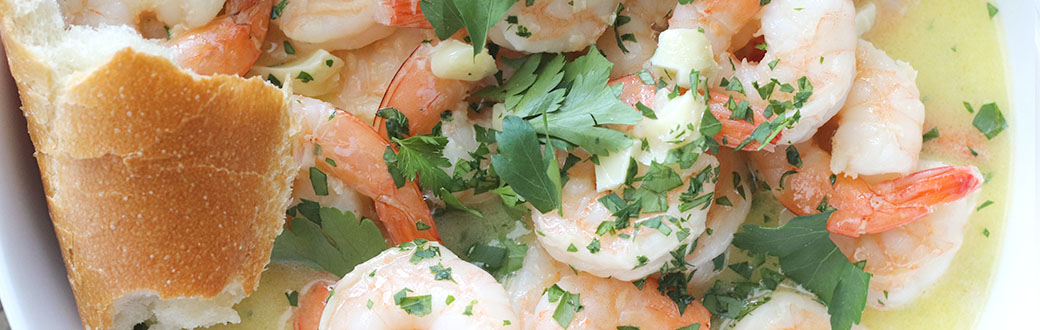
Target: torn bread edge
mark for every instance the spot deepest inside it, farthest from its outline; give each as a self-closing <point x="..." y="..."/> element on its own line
<point x="166" y="188"/>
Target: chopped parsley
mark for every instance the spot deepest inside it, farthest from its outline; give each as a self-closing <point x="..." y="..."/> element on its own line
<point x="319" y="182"/>
<point x="415" y="305"/>
<point x="989" y="120"/>
<point x="569" y="304"/>
<point x="991" y="9"/>
<point x="293" y="297"/>
<point x="932" y="134"/>
<point x="276" y="11"/>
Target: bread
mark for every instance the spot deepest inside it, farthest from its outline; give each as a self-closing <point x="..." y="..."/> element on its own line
<point x="166" y="188"/>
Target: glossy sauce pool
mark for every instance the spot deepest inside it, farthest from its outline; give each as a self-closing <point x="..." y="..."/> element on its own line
<point x="959" y="55"/>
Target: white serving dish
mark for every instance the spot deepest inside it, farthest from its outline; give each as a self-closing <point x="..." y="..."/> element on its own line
<point x="36" y="293"/>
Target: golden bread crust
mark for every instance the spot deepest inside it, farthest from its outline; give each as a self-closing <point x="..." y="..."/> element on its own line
<point x="157" y="180"/>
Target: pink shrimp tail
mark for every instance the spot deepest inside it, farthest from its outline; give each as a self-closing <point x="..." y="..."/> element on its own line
<point x="403" y="13"/>
<point x="404" y="224"/>
<point x="907" y="199"/>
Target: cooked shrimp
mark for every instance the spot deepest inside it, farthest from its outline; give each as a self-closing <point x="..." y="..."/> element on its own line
<point x="906" y="261"/>
<point x="734" y="130"/>
<point x="420" y="95"/>
<point x="356" y="154"/>
<point x="879" y="129"/>
<point x="646" y="19"/>
<point x="420" y="285"/>
<point x="723" y="220"/>
<point x="862" y="207"/>
<point x="230" y="44"/>
<point x="785" y="309"/>
<point x="554" y="25"/>
<point x="176" y="15"/>
<point x="567" y="233"/>
<point x="526" y="286"/>
<point x="814" y="39"/>
<point x="610" y="303"/>
<point x="345" y="24"/>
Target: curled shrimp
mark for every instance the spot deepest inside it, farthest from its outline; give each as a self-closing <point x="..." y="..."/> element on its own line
<point x="810" y="39"/>
<point x="879" y="129"/>
<point x="356" y="154"/>
<point x="907" y="260"/>
<point x="610" y="304"/>
<point x="345" y="24"/>
<point x="420" y="285"/>
<point x="631" y="254"/>
<point x="862" y="207"/>
<point x="230" y="44"/>
<point x="554" y="25"/>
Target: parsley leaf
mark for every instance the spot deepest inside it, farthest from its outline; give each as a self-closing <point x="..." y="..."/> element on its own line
<point x="989" y="120"/>
<point x="477" y="16"/>
<point x="421" y="157"/>
<point x="521" y="164"/>
<point x="416" y="305"/>
<point x="568" y="101"/>
<point x="570" y="304"/>
<point x="809" y="257"/>
<point x="338" y="244"/>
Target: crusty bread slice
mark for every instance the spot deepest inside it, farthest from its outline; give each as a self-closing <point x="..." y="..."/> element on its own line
<point x="166" y="188"/>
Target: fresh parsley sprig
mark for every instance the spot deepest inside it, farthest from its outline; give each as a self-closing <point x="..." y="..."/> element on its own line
<point x="809" y="257"/>
<point x="328" y="239"/>
<point x="476" y="16"/>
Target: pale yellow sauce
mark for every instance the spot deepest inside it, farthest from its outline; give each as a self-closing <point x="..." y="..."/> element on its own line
<point x="268" y="307"/>
<point x="959" y="56"/>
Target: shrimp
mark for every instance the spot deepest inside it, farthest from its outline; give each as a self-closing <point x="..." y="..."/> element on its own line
<point x="567" y="234"/>
<point x="879" y="129"/>
<point x="345" y="24"/>
<point x="202" y="42"/>
<point x="554" y="25"/>
<point x="784" y="309"/>
<point x="350" y="151"/>
<point x="175" y="15"/>
<point x="420" y="285"/>
<point x="610" y="304"/>
<point x="723" y="220"/>
<point x="734" y="130"/>
<point x="230" y="44"/>
<point x="420" y="95"/>
<point x="862" y="207"/>
<point x="645" y="20"/>
<point x="810" y="39"/>
<point x="906" y="261"/>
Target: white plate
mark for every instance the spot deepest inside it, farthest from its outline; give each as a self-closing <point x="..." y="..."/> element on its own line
<point x="36" y="293"/>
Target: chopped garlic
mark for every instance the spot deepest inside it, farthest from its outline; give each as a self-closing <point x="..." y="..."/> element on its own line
<point x="676" y="125"/>
<point x="611" y="170"/>
<point x="681" y="51"/>
<point x="453" y="59"/>
<point x="313" y="75"/>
